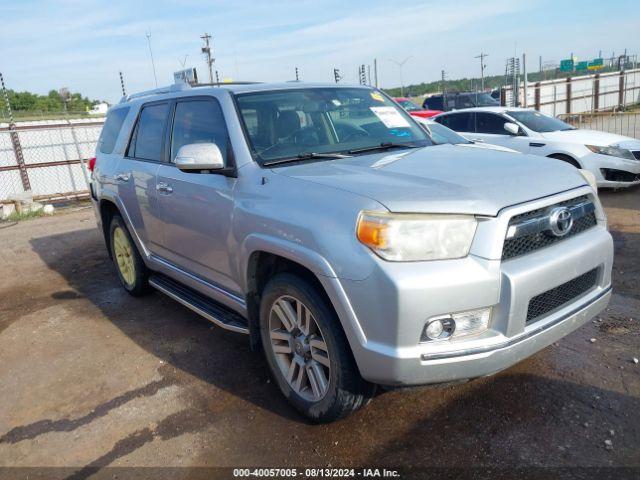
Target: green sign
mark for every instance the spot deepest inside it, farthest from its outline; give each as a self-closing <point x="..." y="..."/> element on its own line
<point x="566" y="65"/>
<point x="582" y="65"/>
<point x="596" y="64"/>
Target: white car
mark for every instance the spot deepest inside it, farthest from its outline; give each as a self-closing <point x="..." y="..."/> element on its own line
<point x="613" y="159"/>
<point x="441" y="135"/>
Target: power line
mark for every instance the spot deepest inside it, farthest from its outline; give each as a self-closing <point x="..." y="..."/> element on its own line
<point x="153" y="65"/>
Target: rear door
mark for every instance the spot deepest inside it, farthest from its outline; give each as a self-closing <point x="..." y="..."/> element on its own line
<point x="197" y="207"/>
<point x="136" y="175"/>
<point x="489" y="128"/>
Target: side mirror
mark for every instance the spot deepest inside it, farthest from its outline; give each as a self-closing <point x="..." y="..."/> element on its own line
<point x="199" y="156"/>
<point x="512" y="128"/>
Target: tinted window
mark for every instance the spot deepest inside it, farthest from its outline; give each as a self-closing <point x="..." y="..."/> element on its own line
<point x="464" y="101"/>
<point x="459" y="122"/>
<point x="490" y="123"/>
<point x="149" y="136"/>
<point x="111" y="129"/>
<point x="433" y="103"/>
<point x="441" y="134"/>
<point x="198" y="121"/>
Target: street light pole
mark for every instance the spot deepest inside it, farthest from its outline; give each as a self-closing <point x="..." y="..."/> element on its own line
<point x="400" y="65"/>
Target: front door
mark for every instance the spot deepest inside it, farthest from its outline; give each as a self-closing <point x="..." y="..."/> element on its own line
<point x="489" y="128"/>
<point x="197" y="207"/>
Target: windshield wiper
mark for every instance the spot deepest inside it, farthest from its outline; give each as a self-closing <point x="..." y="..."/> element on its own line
<point x="306" y="156"/>
<point x="382" y="146"/>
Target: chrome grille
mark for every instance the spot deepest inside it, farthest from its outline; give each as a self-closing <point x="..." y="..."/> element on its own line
<point x="530" y="231"/>
<point x="561" y="295"/>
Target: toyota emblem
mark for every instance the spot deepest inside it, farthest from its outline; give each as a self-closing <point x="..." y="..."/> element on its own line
<point x="560" y="221"/>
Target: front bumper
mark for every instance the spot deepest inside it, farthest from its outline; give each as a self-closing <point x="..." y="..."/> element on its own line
<point x="389" y="309"/>
<point x="597" y="164"/>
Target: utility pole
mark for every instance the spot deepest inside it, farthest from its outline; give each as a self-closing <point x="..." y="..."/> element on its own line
<point x="526" y="80"/>
<point x="153" y="65"/>
<point x="443" y="76"/>
<point x="400" y="65"/>
<point x="482" y="56"/>
<point x="375" y="71"/>
<point x="369" y="74"/>
<point x="206" y="50"/>
<point x="124" y="92"/>
<point x="336" y="75"/>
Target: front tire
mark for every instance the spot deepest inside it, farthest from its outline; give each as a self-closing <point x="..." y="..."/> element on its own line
<point x="132" y="271"/>
<point x="307" y="351"/>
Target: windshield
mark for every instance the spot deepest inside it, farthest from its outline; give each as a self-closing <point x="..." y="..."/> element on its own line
<point x="408" y="105"/>
<point x="441" y="134"/>
<point x="290" y="124"/>
<point x="538" y="122"/>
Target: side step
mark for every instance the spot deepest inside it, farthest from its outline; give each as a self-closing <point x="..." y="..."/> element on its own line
<point x="209" y="309"/>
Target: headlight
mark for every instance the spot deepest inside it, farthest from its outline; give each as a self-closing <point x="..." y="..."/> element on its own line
<point x="413" y="237"/>
<point x="612" y="151"/>
<point x="590" y="178"/>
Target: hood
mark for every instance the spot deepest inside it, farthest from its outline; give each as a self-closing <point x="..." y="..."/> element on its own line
<point x="587" y="137"/>
<point x="443" y="178"/>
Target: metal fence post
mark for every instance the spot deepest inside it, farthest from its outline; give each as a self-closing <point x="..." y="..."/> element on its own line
<point x="568" y="108"/>
<point x="80" y="157"/>
<point x="15" y="141"/>
<point x="596" y="92"/>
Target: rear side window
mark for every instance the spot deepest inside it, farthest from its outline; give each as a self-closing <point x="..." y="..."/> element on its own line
<point x="198" y="121"/>
<point x="460" y="122"/>
<point x="433" y="103"/>
<point x="111" y="129"/>
<point x="490" y="123"/>
<point x="148" y="138"/>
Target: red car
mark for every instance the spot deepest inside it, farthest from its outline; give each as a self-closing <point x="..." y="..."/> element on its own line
<point x="415" y="110"/>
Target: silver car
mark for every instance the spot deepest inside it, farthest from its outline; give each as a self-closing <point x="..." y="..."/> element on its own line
<point x="323" y="222"/>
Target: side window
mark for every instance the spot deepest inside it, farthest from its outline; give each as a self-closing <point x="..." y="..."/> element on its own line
<point x="459" y="122"/>
<point x="111" y="129"/>
<point x="464" y="101"/>
<point x="490" y="123"/>
<point x="148" y="138"/>
<point x="434" y="103"/>
<point x="198" y="121"/>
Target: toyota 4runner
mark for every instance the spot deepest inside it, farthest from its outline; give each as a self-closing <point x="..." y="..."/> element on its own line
<point x="322" y="222"/>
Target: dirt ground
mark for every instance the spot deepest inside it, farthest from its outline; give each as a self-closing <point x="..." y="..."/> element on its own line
<point x="91" y="377"/>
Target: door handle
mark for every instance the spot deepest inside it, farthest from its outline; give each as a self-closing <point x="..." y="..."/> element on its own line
<point x="164" y="188"/>
<point x="122" y="177"/>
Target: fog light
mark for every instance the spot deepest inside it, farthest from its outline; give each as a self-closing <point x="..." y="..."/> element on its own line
<point x="456" y="325"/>
<point x="439" y="328"/>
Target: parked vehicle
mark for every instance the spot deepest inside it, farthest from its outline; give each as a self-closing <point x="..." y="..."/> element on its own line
<point x="321" y="221"/>
<point x="459" y="100"/>
<point x="613" y="159"/>
<point x="441" y="135"/>
<point x="414" y="110"/>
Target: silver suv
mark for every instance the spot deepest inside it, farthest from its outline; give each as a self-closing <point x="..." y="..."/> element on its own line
<point x="321" y="221"/>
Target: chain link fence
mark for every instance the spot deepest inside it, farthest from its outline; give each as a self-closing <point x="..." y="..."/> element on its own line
<point x="47" y="159"/>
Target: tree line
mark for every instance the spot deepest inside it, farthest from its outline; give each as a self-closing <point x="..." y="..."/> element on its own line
<point x="55" y="101"/>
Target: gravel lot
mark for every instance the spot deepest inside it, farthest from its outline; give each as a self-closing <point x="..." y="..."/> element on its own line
<point x="90" y="377"/>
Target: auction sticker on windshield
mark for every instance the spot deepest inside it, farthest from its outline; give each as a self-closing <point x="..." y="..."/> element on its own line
<point x="390" y="117"/>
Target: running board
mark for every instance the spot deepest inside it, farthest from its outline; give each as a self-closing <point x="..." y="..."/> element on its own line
<point x="202" y="305"/>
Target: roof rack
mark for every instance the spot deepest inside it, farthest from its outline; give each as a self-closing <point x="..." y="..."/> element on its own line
<point x="176" y="87"/>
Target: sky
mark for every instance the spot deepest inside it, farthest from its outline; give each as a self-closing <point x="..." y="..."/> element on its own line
<point x="82" y="45"/>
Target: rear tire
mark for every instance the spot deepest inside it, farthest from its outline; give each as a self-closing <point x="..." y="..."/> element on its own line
<point x="132" y="272"/>
<point x="307" y="351"/>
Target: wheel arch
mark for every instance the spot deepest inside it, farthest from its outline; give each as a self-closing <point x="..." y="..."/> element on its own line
<point x="565" y="157"/>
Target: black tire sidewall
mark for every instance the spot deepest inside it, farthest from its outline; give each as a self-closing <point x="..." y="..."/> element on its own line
<point x="340" y="358"/>
<point x="140" y="285"/>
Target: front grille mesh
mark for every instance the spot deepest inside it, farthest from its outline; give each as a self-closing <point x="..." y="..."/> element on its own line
<point x="637" y="154"/>
<point x="555" y="298"/>
<point x="514" y="247"/>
